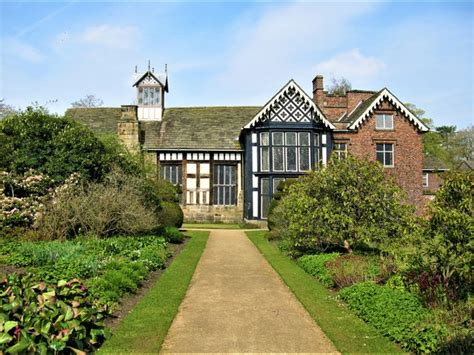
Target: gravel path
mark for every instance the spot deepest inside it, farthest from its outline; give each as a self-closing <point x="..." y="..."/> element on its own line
<point x="236" y="302"/>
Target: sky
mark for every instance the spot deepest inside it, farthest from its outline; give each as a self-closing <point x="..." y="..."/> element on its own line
<point x="238" y="53"/>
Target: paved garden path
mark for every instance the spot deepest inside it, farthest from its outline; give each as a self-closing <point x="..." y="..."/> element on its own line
<point x="236" y="302"/>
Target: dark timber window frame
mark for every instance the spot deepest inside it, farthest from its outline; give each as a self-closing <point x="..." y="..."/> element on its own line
<point x="224" y="184"/>
<point x="340" y="150"/>
<point x="173" y="173"/>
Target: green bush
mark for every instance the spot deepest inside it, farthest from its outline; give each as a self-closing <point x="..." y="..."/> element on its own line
<point x="173" y="235"/>
<point x="349" y="202"/>
<point x="446" y="256"/>
<point x="170" y="214"/>
<point x="51" y="145"/>
<point x="316" y="265"/>
<point x="40" y="318"/>
<point x="348" y="270"/>
<point x="274" y="215"/>
<point x="396" y="314"/>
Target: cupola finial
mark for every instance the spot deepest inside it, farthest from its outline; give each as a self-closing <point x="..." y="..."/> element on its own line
<point x="136" y="69"/>
<point x="166" y="68"/>
<point x="148" y="64"/>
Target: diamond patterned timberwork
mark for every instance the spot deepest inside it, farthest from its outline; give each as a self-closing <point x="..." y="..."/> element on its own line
<point x="291" y="104"/>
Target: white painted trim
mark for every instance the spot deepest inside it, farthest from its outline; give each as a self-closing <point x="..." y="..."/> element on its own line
<point x="255" y="203"/>
<point x="323" y="139"/>
<point x="254" y="137"/>
<point x="324" y="157"/>
<point x="254" y="159"/>
<point x="386" y="94"/>
<point x="293" y="85"/>
<point x="254" y="181"/>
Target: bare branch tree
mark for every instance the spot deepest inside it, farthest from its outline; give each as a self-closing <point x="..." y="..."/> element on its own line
<point x="88" y="101"/>
<point x="339" y="86"/>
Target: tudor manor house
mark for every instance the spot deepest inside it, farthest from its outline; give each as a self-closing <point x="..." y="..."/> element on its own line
<point x="228" y="161"/>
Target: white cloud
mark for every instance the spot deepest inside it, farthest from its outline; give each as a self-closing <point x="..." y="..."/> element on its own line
<point x="286" y="41"/>
<point x="352" y="65"/>
<point x="22" y="50"/>
<point x="120" y="37"/>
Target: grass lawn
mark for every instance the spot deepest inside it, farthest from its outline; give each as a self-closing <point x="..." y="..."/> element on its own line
<point x="348" y="332"/>
<point x="145" y="328"/>
<point x="219" y="226"/>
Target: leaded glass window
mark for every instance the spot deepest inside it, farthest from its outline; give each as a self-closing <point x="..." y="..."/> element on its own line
<point x="174" y="174"/>
<point x="149" y="96"/>
<point x="265" y="196"/>
<point x="285" y="152"/>
<point x="225" y="184"/>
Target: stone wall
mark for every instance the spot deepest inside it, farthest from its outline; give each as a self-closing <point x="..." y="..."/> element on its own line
<point x="205" y="213"/>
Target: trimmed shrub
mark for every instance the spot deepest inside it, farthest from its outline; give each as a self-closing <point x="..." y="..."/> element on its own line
<point x="173" y="235"/>
<point x="170" y="214"/>
<point x="396" y="314"/>
<point x="40" y="318"/>
<point x="316" y="265"/>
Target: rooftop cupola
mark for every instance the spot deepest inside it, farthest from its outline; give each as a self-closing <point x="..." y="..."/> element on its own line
<point x="151" y="88"/>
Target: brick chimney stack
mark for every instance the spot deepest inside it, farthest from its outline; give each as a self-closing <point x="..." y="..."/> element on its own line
<point x="318" y="90"/>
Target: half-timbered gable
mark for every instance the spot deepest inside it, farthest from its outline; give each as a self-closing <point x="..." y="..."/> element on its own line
<point x="287" y="137"/>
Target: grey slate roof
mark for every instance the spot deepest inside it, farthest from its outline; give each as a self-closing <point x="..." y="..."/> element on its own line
<point x="431" y="163"/>
<point x="215" y="128"/>
<point x="99" y="119"/>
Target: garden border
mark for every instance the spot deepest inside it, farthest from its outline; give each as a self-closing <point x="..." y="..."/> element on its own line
<point x="348" y="332"/>
<point x="145" y="328"/>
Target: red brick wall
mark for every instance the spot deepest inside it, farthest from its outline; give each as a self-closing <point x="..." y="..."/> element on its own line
<point x="408" y="150"/>
<point x="435" y="180"/>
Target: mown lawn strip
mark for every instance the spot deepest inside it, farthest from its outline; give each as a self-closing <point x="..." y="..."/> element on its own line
<point x="348" y="333"/>
<point x="145" y="328"/>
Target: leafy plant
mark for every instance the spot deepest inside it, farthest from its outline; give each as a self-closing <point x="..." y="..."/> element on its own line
<point x="173" y="235"/>
<point x="348" y="270"/>
<point x="45" y="318"/>
<point x="396" y="314"/>
<point x="349" y="202"/>
<point x="316" y="265"/>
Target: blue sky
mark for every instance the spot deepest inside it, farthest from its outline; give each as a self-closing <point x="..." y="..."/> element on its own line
<point x="238" y="53"/>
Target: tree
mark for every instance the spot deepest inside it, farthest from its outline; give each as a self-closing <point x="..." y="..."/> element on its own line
<point x="88" y="101"/>
<point x="339" y="86"/>
<point x="5" y="109"/>
<point x="448" y="251"/>
<point x="348" y="203"/>
<point x="54" y="146"/>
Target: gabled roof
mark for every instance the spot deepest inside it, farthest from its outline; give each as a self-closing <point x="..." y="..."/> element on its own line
<point x="466" y="165"/>
<point x="431" y="163"/>
<point x="290" y="90"/>
<point x="161" y="78"/>
<point x="363" y="112"/>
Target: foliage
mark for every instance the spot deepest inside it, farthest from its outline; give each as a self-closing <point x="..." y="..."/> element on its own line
<point x="348" y="270"/>
<point x="173" y="235"/>
<point x="170" y="214"/>
<point x="339" y="87"/>
<point x="88" y="101"/>
<point x="350" y="201"/>
<point x="316" y="265"/>
<point x="120" y="205"/>
<point x="274" y="214"/>
<point x="41" y="318"/>
<point x="442" y="268"/>
<point x="396" y="314"/>
<point x="51" y="145"/>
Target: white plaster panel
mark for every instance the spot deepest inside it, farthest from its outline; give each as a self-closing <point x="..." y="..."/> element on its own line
<point x="254" y="159"/>
<point x="254" y="137"/>
<point x="191" y="183"/>
<point x="191" y="168"/>
<point x="255" y="203"/>
<point x="204" y="168"/>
